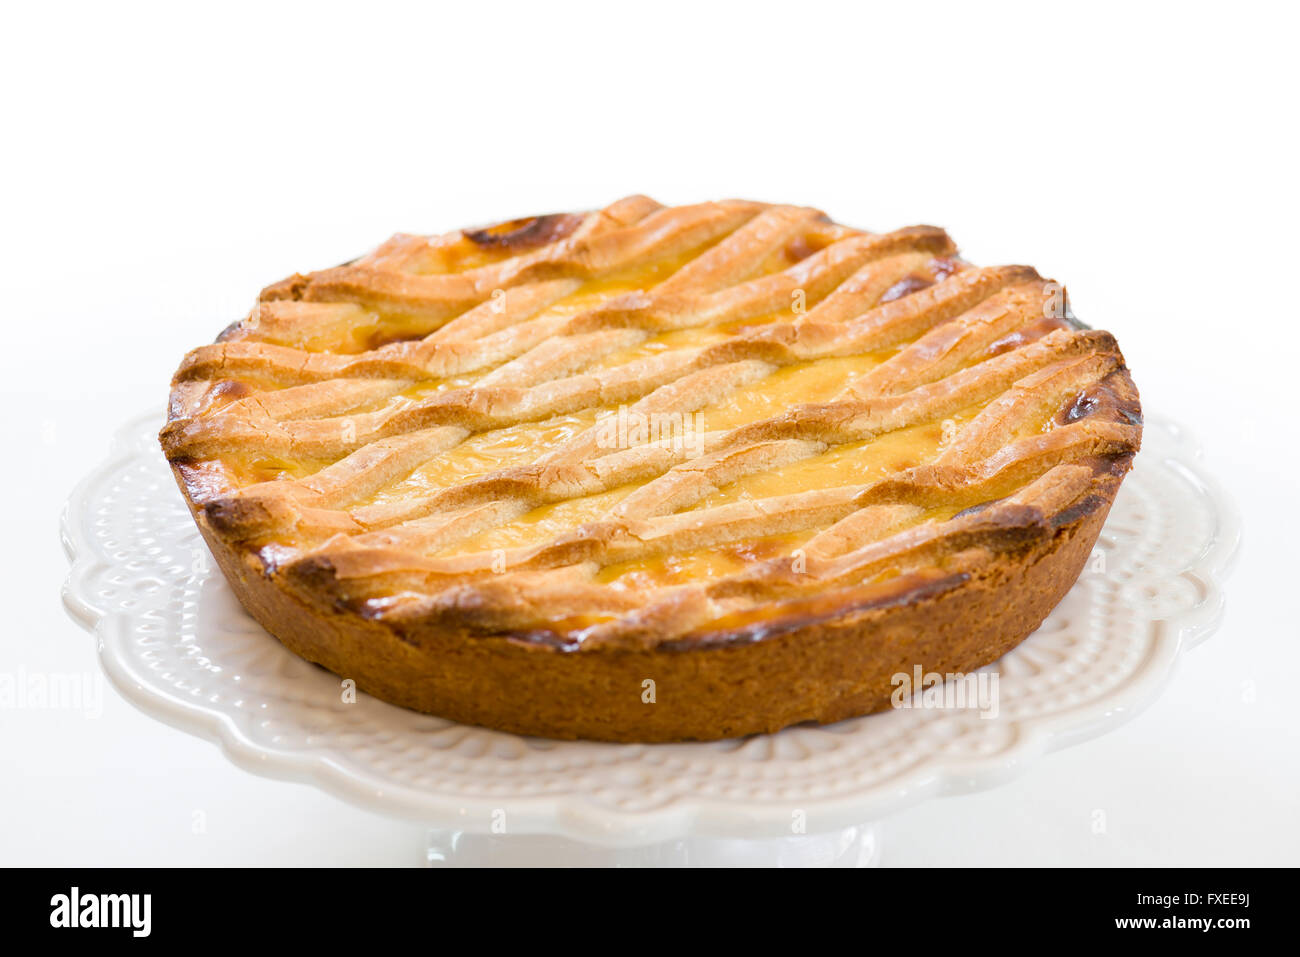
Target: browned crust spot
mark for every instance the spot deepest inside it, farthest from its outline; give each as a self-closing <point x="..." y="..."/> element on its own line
<point x="527" y="233"/>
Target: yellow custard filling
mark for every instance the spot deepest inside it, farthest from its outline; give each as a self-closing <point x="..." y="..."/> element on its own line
<point x="701" y="564"/>
<point x="485" y="452"/>
<point x="545" y="523"/>
<point x="851" y="466"/>
<point x="804" y="383"/>
<point x="856" y="464"/>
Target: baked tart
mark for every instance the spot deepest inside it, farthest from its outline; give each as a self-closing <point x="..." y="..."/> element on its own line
<point x="653" y="473"/>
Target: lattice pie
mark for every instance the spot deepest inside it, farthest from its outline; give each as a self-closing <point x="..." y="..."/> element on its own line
<point x="652" y="473"/>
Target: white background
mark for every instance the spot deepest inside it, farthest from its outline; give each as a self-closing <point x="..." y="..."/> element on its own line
<point x="160" y="164"/>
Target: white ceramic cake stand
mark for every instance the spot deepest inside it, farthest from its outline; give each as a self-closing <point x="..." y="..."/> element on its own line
<point x="175" y="642"/>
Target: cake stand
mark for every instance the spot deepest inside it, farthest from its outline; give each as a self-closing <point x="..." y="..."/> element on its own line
<point x="174" y="641"/>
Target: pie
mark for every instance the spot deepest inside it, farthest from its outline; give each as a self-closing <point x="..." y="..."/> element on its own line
<point x="653" y="473"/>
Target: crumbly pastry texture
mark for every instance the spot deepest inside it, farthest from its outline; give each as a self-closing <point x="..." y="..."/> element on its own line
<point x="653" y="473"/>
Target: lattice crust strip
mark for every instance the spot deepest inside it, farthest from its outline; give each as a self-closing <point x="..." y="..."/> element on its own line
<point x="635" y="423"/>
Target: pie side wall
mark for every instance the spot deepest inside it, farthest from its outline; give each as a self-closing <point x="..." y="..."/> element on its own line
<point x="823" y="671"/>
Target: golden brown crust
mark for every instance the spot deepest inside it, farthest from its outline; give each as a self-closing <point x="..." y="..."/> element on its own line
<point x="293" y="436"/>
<point x="836" y="665"/>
